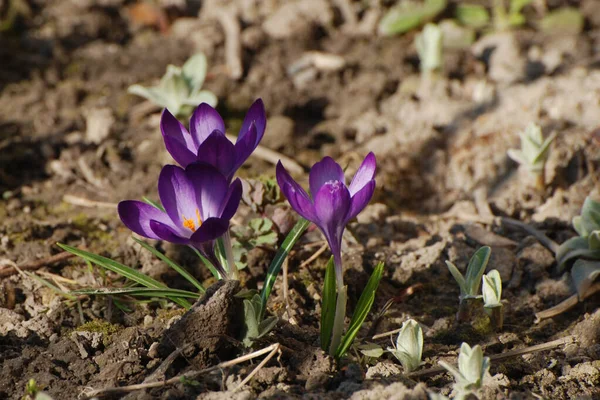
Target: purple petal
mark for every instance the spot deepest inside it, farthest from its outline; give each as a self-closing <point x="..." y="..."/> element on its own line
<point x="332" y="204"/>
<point x="136" y="215"/>
<point x="178" y="197"/>
<point x="204" y="121"/>
<point x="217" y="151"/>
<point x="244" y="147"/>
<point x="364" y="174"/>
<point x="178" y="141"/>
<point x="210" y="187"/>
<point x="324" y="171"/>
<point x="361" y="199"/>
<point x="297" y="197"/>
<point x="211" y="229"/>
<point x="256" y="114"/>
<point x="165" y="232"/>
<point x="232" y="200"/>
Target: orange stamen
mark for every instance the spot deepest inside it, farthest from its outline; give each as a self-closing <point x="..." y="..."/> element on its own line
<point x="189" y="223"/>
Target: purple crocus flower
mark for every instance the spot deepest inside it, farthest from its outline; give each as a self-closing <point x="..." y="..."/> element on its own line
<point x="198" y="203"/>
<point x="333" y="204"/>
<point x="206" y="140"/>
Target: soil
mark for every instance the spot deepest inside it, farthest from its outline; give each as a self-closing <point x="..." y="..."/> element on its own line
<point x="73" y="143"/>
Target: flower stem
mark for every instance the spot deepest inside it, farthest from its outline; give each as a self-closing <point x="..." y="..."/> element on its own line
<point x="233" y="271"/>
<point x="340" y="306"/>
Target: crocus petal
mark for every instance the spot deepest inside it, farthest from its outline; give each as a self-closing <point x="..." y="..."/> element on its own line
<point x="364" y="174"/>
<point x="297" y="197"/>
<point x="178" y="141"/>
<point x="167" y="233"/>
<point x="324" y="171"/>
<point x="256" y="114"/>
<point x="217" y="151"/>
<point x="360" y="199"/>
<point x="332" y="204"/>
<point x="210" y="187"/>
<point x="232" y="200"/>
<point x="204" y="121"/>
<point x="136" y="215"/>
<point x="211" y="229"/>
<point x="177" y="196"/>
<point x="244" y="147"/>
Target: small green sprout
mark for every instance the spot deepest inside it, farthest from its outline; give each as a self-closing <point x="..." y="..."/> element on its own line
<point x="492" y="294"/>
<point x="429" y="46"/>
<point x="472" y="369"/>
<point x="256" y="327"/>
<point x="409" y="346"/>
<point x="179" y="90"/>
<point x="408" y="15"/>
<point x="533" y="153"/>
<point x="503" y="19"/>
<point x="587" y="244"/>
<point x="472" y="15"/>
<point x="33" y="392"/>
<point x="469" y="284"/>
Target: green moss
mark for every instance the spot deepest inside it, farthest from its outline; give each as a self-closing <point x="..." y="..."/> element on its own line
<point x="165" y="315"/>
<point x="100" y="326"/>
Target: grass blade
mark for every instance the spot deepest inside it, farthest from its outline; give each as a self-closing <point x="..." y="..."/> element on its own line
<point x="207" y="263"/>
<point x="277" y="262"/>
<point x="172" y="264"/>
<point x="51" y="286"/>
<point x="328" y="305"/>
<point x="153" y="203"/>
<point x="367" y="298"/>
<point x="123" y="270"/>
<point x="137" y="291"/>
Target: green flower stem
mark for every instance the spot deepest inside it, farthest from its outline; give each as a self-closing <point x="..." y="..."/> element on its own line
<point x="232" y="268"/>
<point x="340" y="306"/>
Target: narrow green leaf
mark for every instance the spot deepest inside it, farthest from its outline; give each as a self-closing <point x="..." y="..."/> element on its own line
<point x="365" y="302"/>
<point x="171" y="264"/>
<point x="207" y="263"/>
<point x="50" y="285"/>
<point x="476" y="268"/>
<point x="473" y="15"/>
<point x="153" y="203"/>
<point x="458" y="277"/>
<point x="574" y="248"/>
<point x="277" y="262"/>
<point x="137" y="291"/>
<point x="584" y="273"/>
<point x="328" y="305"/>
<point x="123" y="270"/>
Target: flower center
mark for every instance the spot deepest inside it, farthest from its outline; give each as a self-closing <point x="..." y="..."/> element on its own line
<point x="334" y="185"/>
<point x="190" y="224"/>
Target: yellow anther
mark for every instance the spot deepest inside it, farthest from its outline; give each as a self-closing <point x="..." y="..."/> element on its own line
<point x="189" y="223"/>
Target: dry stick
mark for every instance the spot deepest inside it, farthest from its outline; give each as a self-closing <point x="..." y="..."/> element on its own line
<point x="188" y="375"/>
<point x="566" y="304"/>
<point x="259" y="366"/>
<point x="227" y="17"/>
<point x="273" y="157"/>
<point x="83" y="202"/>
<point x="543" y="239"/>
<point x="498" y="357"/>
<point x="314" y="256"/>
<point x="33" y="265"/>
<point x="286" y="298"/>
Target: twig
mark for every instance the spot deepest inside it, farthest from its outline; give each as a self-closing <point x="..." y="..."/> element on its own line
<point x="498" y="357"/>
<point x="83" y="202"/>
<point x="566" y="304"/>
<point x="33" y="265"/>
<point x="543" y="239"/>
<point x="384" y="334"/>
<point x="314" y="256"/>
<point x="88" y="174"/>
<point x="259" y="366"/>
<point x="233" y="48"/>
<point x="273" y="157"/>
<point x="286" y="298"/>
<point x="88" y="394"/>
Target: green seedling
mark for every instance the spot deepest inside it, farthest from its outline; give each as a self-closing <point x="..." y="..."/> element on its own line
<point x="533" y="153"/>
<point x="256" y="327"/>
<point x="469" y="284"/>
<point x="370" y="352"/>
<point x="492" y="294"/>
<point x="565" y="21"/>
<point x="472" y="369"/>
<point x="587" y="244"/>
<point x="429" y="46"/>
<point x="583" y="274"/>
<point x="408" y="15"/>
<point x="180" y="89"/>
<point x="472" y="15"/>
<point x="409" y="346"/>
<point x="507" y="19"/>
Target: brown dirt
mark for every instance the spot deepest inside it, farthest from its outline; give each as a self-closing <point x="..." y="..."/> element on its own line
<point x="438" y="142"/>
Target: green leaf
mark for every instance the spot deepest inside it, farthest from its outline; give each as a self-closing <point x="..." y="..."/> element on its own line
<point x="207" y="263"/>
<point x="574" y="248"/>
<point x="194" y="72"/>
<point x="407" y="16"/>
<point x="153" y="203"/>
<point x="578" y="226"/>
<point x="590" y="214"/>
<point x="251" y="317"/>
<point x="594" y="240"/>
<point x="277" y="262"/>
<point x="328" y="305"/>
<point x="50" y="285"/>
<point x="584" y="273"/>
<point x="458" y="277"/>
<point x="365" y="302"/>
<point x="492" y="289"/>
<point x="137" y="291"/>
<point x="122" y="270"/>
<point x="171" y="264"/>
<point x="267" y="325"/>
<point x="475" y="270"/>
<point x="565" y="20"/>
<point x="153" y="94"/>
<point x="429" y="47"/>
<point x="371" y="350"/>
<point x="473" y="15"/>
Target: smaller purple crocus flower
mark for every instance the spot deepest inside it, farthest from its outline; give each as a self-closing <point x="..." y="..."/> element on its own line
<point x="198" y="203"/>
<point x="206" y="141"/>
<point x="333" y="204"/>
